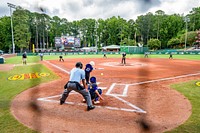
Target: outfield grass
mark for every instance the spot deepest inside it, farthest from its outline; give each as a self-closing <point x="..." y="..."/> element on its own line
<point x="192" y="92"/>
<point x="32" y="59"/>
<point x="188" y="57"/>
<point x="9" y="89"/>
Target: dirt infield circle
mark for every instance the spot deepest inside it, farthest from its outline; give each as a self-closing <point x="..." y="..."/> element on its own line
<point x="118" y="64"/>
<point x="137" y="98"/>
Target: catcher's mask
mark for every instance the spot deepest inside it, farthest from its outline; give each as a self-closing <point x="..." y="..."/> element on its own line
<point x="79" y="65"/>
<point x="93" y="80"/>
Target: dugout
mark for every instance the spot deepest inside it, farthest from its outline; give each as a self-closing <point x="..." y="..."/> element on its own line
<point x="134" y="49"/>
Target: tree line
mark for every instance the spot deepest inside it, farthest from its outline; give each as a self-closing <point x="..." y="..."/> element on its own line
<point x="155" y="30"/>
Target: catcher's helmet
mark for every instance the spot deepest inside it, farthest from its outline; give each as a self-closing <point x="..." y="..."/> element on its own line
<point x="79" y="65"/>
<point x="93" y="80"/>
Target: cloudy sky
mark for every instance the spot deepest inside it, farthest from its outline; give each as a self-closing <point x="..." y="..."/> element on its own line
<point x="79" y="9"/>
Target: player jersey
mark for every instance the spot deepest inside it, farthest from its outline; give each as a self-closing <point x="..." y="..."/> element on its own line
<point x="92" y="88"/>
<point x="124" y="55"/>
<point x="88" y="68"/>
<point x="24" y="55"/>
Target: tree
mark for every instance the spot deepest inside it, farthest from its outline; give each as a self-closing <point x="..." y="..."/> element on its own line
<point x="154" y="44"/>
<point x="191" y="38"/>
<point x="21" y="28"/>
<point x="194" y="19"/>
<point x="39" y="29"/>
<point x="173" y="43"/>
<point x="5" y="34"/>
<point x="159" y="18"/>
<point x="145" y="25"/>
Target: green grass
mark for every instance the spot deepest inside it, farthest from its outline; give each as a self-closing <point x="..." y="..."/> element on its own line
<point x="9" y="89"/>
<point x="192" y="92"/>
<point x="18" y="60"/>
<point x="188" y="57"/>
<point x="31" y="59"/>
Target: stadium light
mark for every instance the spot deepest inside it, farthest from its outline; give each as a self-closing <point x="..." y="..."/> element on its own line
<point x="12" y="6"/>
<point x="186" y="19"/>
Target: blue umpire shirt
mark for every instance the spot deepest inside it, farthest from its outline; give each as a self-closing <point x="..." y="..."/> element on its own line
<point x="77" y="74"/>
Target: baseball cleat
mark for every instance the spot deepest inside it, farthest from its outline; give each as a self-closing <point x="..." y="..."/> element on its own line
<point x="91" y="107"/>
<point x="61" y="102"/>
<point x="96" y="102"/>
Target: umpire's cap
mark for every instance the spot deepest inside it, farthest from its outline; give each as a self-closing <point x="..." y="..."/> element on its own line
<point x="93" y="80"/>
<point x="79" y="65"/>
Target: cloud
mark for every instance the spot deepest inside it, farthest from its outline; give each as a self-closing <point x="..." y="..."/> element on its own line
<point x="79" y="9"/>
<point x="3" y="10"/>
<point x="108" y="8"/>
<point x="178" y="6"/>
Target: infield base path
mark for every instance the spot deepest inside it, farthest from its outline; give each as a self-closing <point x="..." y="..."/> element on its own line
<point x="138" y="86"/>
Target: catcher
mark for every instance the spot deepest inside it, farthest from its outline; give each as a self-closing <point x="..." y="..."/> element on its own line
<point x="95" y="92"/>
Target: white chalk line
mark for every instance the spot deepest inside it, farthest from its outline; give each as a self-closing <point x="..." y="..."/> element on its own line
<point x="48" y="99"/>
<point x="132" y="105"/>
<point x="163" y="79"/>
<point x="124" y="94"/>
<point x="58" y="67"/>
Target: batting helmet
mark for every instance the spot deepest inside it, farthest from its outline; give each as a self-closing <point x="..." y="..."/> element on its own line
<point x="92" y="63"/>
<point x="93" y="80"/>
<point x="79" y="65"/>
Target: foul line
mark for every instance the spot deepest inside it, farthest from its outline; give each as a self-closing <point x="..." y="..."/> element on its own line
<point x="164" y="79"/>
<point x="136" y="109"/>
<point x="125" y="91"/>
<point x="124" y="94"/>
<point x="58" y="67"/>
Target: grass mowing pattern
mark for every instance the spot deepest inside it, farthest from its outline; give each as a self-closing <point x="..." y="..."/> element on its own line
<point x="31" y="59"/>
<point x="18" y="60"/>
<point x="9" y="89"/>
<point x="192" y="92"/>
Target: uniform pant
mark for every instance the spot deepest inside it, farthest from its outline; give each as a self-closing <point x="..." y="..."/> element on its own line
<point x="24" y="60"/>
<point x="123" y="60"/>
<point x="87" y="77"/>
<point x="83" y="92"/>
<point x="94" y="96"/>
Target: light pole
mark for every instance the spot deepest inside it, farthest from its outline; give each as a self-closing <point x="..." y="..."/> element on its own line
<point x="96" y="26"/>
<point x="186" y="19"/>
<point x="12" y="6"/>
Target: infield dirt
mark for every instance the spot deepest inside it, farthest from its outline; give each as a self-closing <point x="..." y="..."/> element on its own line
<point x="165" y="108"/>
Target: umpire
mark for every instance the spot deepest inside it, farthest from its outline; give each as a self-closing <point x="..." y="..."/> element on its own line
<point x="76" y="75"/>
